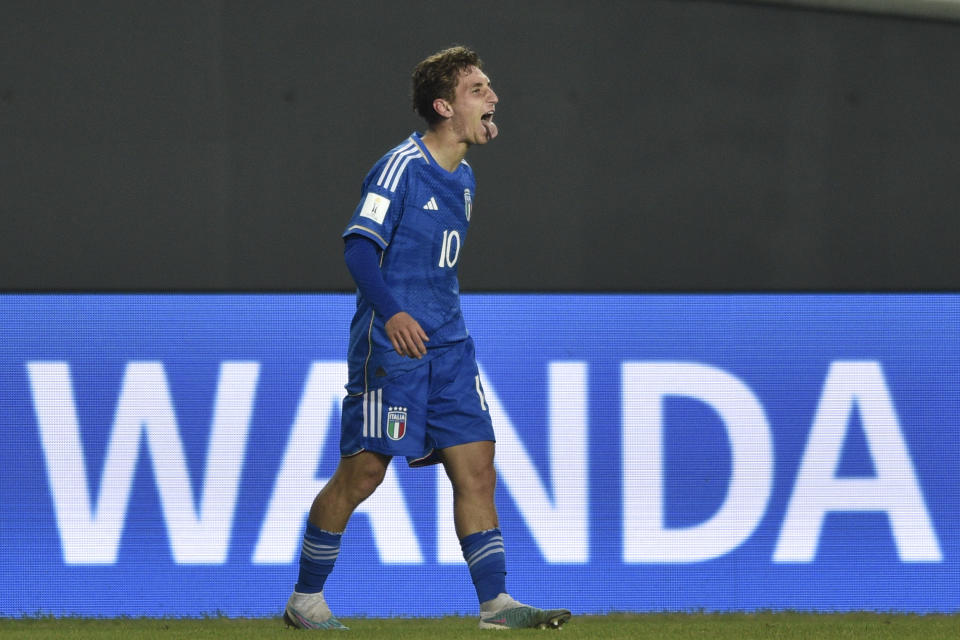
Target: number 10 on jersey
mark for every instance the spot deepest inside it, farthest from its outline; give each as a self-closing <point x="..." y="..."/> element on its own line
<point x="449" y="248"/>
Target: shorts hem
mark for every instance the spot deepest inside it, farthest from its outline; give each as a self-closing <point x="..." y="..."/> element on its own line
<point x="457" y="444"/>
<point x="391" y="454"/>
<point x="433" y="457"/>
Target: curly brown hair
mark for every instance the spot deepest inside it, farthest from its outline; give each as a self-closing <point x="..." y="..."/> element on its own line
<point x="437" y="77"/>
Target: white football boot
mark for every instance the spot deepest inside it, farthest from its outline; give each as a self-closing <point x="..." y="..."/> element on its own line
<point x="310" y="611"/>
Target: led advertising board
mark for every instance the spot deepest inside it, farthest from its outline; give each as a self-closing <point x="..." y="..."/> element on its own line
<point x="159" y="453"/>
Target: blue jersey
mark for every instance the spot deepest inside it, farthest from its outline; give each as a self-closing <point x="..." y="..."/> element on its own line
<point x="418" y="214"/>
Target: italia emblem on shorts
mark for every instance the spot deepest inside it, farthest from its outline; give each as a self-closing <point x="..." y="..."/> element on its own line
<point x="467" y="203"/>
<point x="396" y="422"/>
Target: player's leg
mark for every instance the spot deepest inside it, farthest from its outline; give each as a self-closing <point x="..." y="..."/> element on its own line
<point x="470" y="469"/>
<point x="355" y="479"/>
<point x="473" y="477"/>
<point x="375" y="425"/>
<point x="463" y="432"/>
<point x="474" y="480"/>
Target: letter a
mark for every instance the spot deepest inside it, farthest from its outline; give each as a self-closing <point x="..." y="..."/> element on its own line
<point x="894" y="490"/>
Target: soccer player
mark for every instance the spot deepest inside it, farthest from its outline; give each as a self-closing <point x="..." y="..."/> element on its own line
<point x="414" y="389"/>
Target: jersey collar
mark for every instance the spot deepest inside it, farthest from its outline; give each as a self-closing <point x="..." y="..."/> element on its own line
<point x="418" y="140"/>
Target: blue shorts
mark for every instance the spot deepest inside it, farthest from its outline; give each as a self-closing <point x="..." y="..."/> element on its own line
<point x="431" y="407"/>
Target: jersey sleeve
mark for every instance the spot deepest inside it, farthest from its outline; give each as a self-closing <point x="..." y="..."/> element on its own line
<point x="360" y="254"/>
<point x="380" y="207"/>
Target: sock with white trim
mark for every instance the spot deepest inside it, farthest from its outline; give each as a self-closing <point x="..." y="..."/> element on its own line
<point x="484" y="554"/>
<point x="317" y="556"/>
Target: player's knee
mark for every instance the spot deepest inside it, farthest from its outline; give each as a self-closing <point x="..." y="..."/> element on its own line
<point x="364" y="482"/>
<point x="356" y="479"/>
<point x="481" y="480"/>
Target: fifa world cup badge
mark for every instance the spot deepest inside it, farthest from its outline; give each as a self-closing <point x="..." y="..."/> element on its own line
<point x="396" y="422"/>
<point x="467" y="203"/>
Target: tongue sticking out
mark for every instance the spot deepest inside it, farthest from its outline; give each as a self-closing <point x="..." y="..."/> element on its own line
<point x="490" y="128"/>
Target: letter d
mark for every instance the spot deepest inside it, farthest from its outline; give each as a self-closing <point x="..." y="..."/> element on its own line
<point x="644" y="386"/>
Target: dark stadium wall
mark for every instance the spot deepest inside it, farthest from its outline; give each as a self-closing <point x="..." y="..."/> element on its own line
<point x="645" y="146"/>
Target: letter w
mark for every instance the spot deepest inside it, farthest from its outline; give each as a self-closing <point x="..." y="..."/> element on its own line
<point x="93" y="536"/>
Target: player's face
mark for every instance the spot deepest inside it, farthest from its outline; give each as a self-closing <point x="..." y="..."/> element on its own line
<point x="473" y="106"/>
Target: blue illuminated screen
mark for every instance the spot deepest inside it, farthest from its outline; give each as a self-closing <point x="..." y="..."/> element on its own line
<point x="159" y="454"/>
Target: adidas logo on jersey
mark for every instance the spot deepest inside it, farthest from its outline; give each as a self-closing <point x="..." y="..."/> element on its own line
<point x="431" y="205"/>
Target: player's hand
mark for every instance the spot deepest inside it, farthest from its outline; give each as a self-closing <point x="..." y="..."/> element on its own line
<point x="406" y="335"/>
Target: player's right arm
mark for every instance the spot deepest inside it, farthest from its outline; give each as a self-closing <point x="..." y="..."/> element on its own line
<point x="373" y="224"/>
<point x="405" y="334"/>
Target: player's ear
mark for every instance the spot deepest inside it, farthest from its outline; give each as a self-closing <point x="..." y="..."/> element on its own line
<point x="443" y="107"/>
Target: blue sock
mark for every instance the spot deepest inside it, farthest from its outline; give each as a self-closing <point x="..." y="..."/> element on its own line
<point x="317" y="555"/>
<point x="483" y="552"/>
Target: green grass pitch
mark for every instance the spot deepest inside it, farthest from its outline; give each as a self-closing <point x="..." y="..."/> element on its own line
<point x="660" y="626"/>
